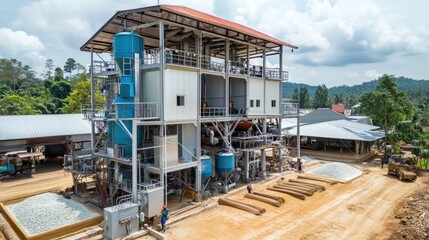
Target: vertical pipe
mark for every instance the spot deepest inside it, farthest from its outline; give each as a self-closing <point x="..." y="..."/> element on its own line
<point x="263" y="153"/>
<point x="137" y="107"/>
<point x="298" y="136"/>
<point x="162" y="61"/>
<point x="227" y="77"/>
<point x="198" y="183"/>
<point x="247" y="103"/>
<point x="92" y="102"/>
<point x="281" y="79"/>
<point x="264" y="65"/>
<point x="134" y="160"/>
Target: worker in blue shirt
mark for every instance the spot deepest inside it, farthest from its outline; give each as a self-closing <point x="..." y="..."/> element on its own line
<point x="164" y="218"/>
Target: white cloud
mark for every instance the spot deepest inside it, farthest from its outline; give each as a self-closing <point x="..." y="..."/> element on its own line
<point x="22" y="46"/>
<point x="372" y="74"/>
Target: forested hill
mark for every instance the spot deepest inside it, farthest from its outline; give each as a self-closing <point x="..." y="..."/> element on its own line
<point x="411" y="86"/>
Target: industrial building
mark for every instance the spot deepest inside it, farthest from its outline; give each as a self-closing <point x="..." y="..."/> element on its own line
<point x="187" y="110"/>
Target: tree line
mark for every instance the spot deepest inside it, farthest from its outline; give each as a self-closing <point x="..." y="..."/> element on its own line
<point x="57" y="90"/>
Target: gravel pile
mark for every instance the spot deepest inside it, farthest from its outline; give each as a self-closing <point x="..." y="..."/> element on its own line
<point x="337" y="170"/>
<point x="48" y="211"/>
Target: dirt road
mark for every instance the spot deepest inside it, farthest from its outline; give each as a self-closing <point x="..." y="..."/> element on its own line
<point x="50" y="176"/>
<point x="360" y="209"/>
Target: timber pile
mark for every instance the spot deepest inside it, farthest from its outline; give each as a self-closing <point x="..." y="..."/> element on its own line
<point x="246" y="207"/>
<point x="292" y="193"/>
<point x="270" y="201"/>
<point x="280" y="199"/>
<point x="304" y="192"/>
<point x="308" y="184"/>
<point x="300" y="187"/>
<point x="331" y="182"/>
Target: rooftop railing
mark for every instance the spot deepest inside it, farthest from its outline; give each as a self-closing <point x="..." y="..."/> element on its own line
<point x="289" y="108"/>
<point x="190" y="59"/>
<point x="143" y="110"/>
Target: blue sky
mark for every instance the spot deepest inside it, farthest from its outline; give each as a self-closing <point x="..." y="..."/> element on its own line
<point x="340" y="41"/>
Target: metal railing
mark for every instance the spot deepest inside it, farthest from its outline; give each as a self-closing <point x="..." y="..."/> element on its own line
<point x="178" y="57"/>
<point x="87" y="111"/>
<point x="208" y="64"/>
<point x="152" y="56"/>
<point x="274" y="73"/>
<point x="289" y="108"/>
<point x="104" y="66"/>
<point x="144" y="110"/>
<point x="152" y="184"/>
<point x="122" y="200"/>
<point x="238" y="68"/>
<point x="213" y="111"/>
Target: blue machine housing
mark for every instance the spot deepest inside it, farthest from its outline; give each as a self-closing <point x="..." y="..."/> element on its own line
<point x="225" y="163"/>
<point x="125" y="46"/>
<point x="206" y="166"/>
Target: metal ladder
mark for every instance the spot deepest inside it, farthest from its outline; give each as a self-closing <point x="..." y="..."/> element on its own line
<point x="104" y="199"/>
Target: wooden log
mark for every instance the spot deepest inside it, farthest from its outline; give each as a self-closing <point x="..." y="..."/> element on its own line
<point x="306" y="193"/>
<point x="309" y="184"/>
<point x="6" y="229"/>
<point x="331" y="182"/>
<point x="261" y="209"/>
<point x="270" y="201"/>
<point x="292" y="193"/>
<point x="280" y="199"/>
<point x="306" y="188"/>
<point x="228" y="202"/>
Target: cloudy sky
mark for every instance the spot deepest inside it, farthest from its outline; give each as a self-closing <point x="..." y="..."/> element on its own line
<point x="340" y="41"/>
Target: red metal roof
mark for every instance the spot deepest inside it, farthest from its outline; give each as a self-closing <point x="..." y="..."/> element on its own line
<point x="201" y="16"/>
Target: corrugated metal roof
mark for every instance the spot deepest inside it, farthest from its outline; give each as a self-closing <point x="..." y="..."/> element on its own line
<point x="224" y="23"/>
<point x="340" y="129"/>
<point x="322" y="115"/>
<point x="35" y="126"/>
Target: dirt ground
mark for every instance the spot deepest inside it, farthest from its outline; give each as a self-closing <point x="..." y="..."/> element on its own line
<point x="48" y="176"/>
<point x="361" y="209"/>
<point x="373" y="206"/>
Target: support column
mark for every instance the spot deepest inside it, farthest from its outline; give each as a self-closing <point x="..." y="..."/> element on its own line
<point x="357" y="143"/>
<point x="298" y="136"/>
<point x="227" y="77"/>
<point x="92" y="102"/>
<point x="134" y="161"/>
<point x="198" y="182"/>
<point x="263" y="153"/>
<point x="162" y="62"/>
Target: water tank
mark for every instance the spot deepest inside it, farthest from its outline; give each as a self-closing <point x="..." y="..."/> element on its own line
<point x="206" y="166"/>
<point x="224" y="163"/>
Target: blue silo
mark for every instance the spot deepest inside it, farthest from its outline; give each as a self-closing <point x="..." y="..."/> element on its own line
<point x="206" y="167"/>
<point x="125" y="46"/>
<point x="225" y="163"/>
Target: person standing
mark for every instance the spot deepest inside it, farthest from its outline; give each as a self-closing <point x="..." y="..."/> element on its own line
<point x="164" y="218"/>
<point x="249" y="188"/>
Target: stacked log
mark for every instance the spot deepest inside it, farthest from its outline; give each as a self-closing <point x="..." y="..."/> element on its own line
<point x="292" y="193"/>
<point x="308" y="184"/>
<point x="246" y="207"/>
<point x="304" y="192"/>
<point x="331" y="182"/>
<point x="280" y="199"/>
<point x="270" y="201"/>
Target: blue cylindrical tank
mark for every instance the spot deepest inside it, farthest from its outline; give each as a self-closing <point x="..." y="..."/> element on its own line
<point x="125" y="45"/>
<point x="224" y="163"/>
<point x="206" y="166"/>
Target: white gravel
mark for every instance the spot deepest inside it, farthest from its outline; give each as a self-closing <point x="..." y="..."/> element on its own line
<point x="337" y="170"/>
<point x="48" y="211"/>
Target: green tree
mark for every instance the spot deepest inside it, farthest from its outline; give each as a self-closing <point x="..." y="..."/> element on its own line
<point x="59" y="74"/>
<point x="61" y="89"/>
<point x="338" y="98"/>
<point x="81" y="94"/>
<point x="17" y="105"/>
<point x="386" y="105"/>
<point x="304" y="98"/>
<point x="321" y="99"/>
<point x="69" y="66"/>
<point x="49" y="68"/>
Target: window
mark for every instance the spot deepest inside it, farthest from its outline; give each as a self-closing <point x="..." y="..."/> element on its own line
<point x="180" y="100"/>
<point x="251" y="103"/>
<point x="273" y="103"/>
<point x="258" y="103"/>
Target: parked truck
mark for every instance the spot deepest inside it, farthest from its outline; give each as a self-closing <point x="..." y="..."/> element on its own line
<point x="401" y="170"/>
<point x="20" y="162"/>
